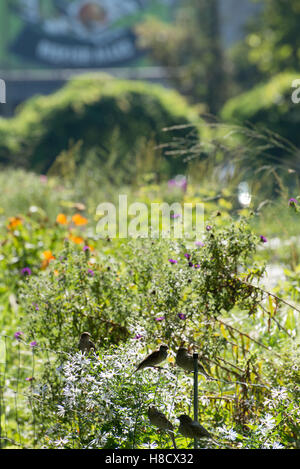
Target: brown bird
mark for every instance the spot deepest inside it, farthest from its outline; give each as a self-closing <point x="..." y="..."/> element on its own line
<point x="155" y="358"/>
<point x="192" y="429"/>
<point x="159" y="420"/>
<point x="186" y="361"/>
<point x="85" y="343"/>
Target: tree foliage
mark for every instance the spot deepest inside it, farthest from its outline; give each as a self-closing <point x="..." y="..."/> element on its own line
<point x="190" y="49"/>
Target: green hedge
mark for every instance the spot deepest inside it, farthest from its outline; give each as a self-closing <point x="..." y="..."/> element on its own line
<point x="268" y="106"/>
<point x="105" y="113"/>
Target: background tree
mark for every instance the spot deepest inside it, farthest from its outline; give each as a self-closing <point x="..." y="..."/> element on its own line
<point x="272" y="43"/>
<point x="190" y="49"/>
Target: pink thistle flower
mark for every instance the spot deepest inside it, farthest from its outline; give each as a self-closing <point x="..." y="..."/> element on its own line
<point x="26" y="271"/>
<point x="199" y="243"/>
<point x="18" y="335"/>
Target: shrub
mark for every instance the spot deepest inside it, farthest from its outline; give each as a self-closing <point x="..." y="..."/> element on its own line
<point x="130" y="297"/>
<point x="102" y="404"/>
<point x="105" y="293"/>
<point x="114" y="117"/>
<point x="269" y="103"/>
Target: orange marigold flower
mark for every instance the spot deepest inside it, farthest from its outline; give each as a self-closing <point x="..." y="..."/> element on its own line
<point x="45" y="264"/>
<point x="79" y="220"/>
<point x="61" y="219"/>
<point x="14" y="222"/>
<point x="48" y="257"/>
<point x="76" y="239"/>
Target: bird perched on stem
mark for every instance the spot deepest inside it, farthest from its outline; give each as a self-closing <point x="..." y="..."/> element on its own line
<point x="186" y="361"/>
<point x="85" y="343"/>
<point x="192" y="429"/>
<point x="159" y="420"/>
<point x="154" y="359"/>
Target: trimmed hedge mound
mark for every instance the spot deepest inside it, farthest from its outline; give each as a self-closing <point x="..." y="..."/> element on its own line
<point x="268" y="106"/>
<point x="100" y="111"/>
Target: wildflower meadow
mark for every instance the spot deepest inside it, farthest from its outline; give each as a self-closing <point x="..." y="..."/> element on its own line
<point x="149" y="227"/>
<point x="60" y="278"/>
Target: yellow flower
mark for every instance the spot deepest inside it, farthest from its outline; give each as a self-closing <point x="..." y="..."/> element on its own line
<point x="79" y="220"/>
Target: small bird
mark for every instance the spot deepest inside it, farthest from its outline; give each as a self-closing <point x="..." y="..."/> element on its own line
<point x="154" y="359"/>
<point x="192" y="429"/>
<point x="186" y="361"/>
<point x="85" y="343"/>
<point x="159" y="420"/>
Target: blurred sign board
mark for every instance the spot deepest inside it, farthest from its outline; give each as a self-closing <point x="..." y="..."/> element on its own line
<point x="73" y="33"/>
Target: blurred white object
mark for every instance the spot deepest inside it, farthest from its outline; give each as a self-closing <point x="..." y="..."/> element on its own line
<point x="244" y="195"/>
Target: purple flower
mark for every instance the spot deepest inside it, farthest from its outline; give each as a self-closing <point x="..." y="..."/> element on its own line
<point x="86" y="248"/>
<point x="208" y="228"/>
<point x="190" y="264"/>
<point x="175" y="215"/>
<point x="197" y="266"/>
<point x="26" y="271"/>
<point x="33" y="344"/>
<point x="181" y="316"/>
<point x="173" y="261"/>
<point x="199" y="243"/>
<point x="160" y="318"/>
<point x="36" y="306"/>
<point x="91" y="272"/>
<point x="187" y="256"/>
<point x="18" y="335"/>
<point x="30" y="379"/>
<point x="263" y="239"/>
<point x="179" y="182"/>
<point x="293" y="202"/>
<point x="138" y="336"/>
<point x="172" y="183"/>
